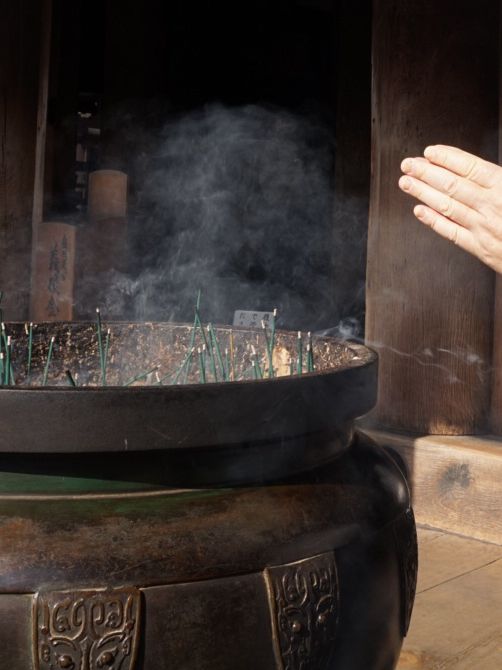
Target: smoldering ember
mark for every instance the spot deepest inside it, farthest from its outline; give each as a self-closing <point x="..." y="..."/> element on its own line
<point x="234" y="362"/>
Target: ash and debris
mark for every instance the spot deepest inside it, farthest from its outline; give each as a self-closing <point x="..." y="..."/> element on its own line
<point x="162" y="348"/>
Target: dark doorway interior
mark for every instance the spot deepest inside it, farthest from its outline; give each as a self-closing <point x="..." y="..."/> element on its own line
<point x="244" y="130"/>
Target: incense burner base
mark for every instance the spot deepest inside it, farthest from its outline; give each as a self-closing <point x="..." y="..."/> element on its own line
<point x="316" y="571"/>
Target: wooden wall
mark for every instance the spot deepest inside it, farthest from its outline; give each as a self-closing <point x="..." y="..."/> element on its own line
<point x="19" y="57"/>
<point x="429" y="304"/>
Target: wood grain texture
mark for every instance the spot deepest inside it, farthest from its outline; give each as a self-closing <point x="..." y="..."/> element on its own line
<point x="19" y="55"/>
<point x="455" y="481"/>
<point x="456" y="623"/>
<point x="496" y="403"/>
<point x="429" y="304"/>
<point x="451" y="556"/>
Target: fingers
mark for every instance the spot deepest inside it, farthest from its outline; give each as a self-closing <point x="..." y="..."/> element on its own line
<point x="466" y="165"/>
<point x="443" y="180"/>
<point x="446" y="228"/>
<point x="442" y="203"/>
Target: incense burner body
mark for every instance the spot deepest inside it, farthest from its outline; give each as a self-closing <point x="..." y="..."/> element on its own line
<point x="163" y="528"/>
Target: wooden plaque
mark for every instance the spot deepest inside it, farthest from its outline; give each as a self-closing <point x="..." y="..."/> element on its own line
<point x="54" y="273"/>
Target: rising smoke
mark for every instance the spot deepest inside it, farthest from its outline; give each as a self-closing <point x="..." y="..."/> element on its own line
<point x="240" y="203"/>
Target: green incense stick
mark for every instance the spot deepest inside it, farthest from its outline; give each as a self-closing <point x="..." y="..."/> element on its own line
<point x="100" y="342"/>
<point x="177" y="373"/>
<point x="4" y="336"/>
<point x="212" y="360"/>
<point x="300" y="353"/>
<point x="9" y="370"/>
<point x="48" y="362"/>
<point x="232" y="355"/>
<point x="216" y="346"/>
<point x="105" y="358"/>
<point x="70" y="379"/>
<point x="310" y="354"/>
<point x="269" y="351"/>
<point x="227" y="363"/>
<point x="141" y="375"/>
<point x="202" y="366"/>
<point x="6" y="379"/>
<point x="272" y="333"/>
<point x="29" y="333"/>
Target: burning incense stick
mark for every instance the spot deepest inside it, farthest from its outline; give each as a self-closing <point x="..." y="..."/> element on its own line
<point x="7" y="371"/>
<point x="256" y="363"/>
<point x="100" y="343"/>
<point x="200" y="327"/>
<point x="142" y="375"/>
<point x="4" y="336"/>
<point x="187" y="364"/>
<point x="48" y="362"/>
<point x="105" y="358"/>
<point x="211" y="352"/>
<point x="29" y="333"/>
<point x="310" y="354"/>
<point x="272" y="337"/>
<point x="299" y="368"/>
<point x="232" y="350"/>
<point x="269" y="351"/>
<point x="216" y="346"/>
<point x="202" y="366"/>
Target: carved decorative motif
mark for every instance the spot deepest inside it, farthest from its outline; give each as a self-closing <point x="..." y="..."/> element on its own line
<point x="304" y="602"/>
<point x="405" y="533"/>
<point x="86" y="630"/>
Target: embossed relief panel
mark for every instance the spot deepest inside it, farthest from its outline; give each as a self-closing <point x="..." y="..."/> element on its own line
<point x="304" y="602"/>
<point x="405" y="534"/>
<point x="86" y="630"/>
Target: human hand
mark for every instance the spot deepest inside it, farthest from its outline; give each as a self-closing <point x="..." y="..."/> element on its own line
<point x="462" y="199"/>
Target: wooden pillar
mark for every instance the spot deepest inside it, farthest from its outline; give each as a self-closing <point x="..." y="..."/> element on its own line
<point x="496" y="404"/>
<point x="41" y="140"/>
<point x="19" y="63"/>
<point x="352" y="159"/>
<point x="429" y="304"/>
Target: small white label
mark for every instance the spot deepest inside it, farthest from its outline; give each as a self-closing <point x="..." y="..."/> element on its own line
<point x="249" y="319"/>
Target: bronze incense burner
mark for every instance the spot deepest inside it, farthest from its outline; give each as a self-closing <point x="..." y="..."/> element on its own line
<point x="233" y="525"/>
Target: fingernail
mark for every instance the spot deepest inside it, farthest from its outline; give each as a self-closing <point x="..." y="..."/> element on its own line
<point x="419" y="212"/>
<point x="405" y="183"/>
<point x="407" y="165"/>
<point x="429" y="152"/>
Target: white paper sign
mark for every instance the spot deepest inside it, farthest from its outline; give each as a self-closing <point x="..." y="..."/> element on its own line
<point x="249" y="319"/>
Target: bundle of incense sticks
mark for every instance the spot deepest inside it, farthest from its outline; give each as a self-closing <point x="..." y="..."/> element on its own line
<point x="206" y="358"/>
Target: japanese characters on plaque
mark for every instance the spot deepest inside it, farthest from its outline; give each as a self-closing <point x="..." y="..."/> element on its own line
<point x="54" y="273"/>
<point x="248" y="319"/>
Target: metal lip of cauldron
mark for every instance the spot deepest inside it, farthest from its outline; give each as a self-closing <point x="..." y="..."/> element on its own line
<point x="236" y="431"/>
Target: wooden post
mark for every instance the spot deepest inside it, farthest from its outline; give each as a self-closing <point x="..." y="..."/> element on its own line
<point x="429" y="304"/>
<point x="496" y="405"/>
<point x="43" y="99"/>
<point x="19" y="60"/>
